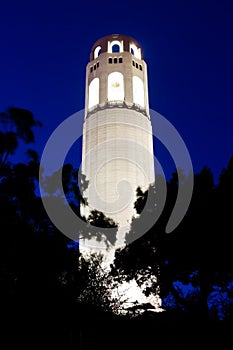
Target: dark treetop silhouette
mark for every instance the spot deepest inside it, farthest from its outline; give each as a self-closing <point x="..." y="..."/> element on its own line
<point x="48" y="290"/>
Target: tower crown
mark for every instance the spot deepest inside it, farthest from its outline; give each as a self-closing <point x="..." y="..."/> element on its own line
<point x="116" y="43"/>
<point x="116" y="75"/>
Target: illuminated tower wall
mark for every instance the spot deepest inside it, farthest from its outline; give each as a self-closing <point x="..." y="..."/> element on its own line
<point x="117" y="133"/>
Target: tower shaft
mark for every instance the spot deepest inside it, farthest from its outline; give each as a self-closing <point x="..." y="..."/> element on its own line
<point x="117" y="154"/>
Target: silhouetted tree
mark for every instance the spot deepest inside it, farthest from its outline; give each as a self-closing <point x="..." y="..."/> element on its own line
<point x="43" y="274"/>
<point x="16" y="124"/>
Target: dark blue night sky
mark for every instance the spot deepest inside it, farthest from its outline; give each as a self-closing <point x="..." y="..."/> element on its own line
<point x="188" y="46"/>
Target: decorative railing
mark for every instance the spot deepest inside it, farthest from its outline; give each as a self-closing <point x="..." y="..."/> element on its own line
<point x="116" y="104"/>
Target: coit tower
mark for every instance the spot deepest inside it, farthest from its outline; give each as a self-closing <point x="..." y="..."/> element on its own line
<point x="117" y="153"/>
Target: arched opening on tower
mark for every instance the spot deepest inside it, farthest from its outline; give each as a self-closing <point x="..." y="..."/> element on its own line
<point x="115" y="86"/>
<point x="134" y="50"/>
<point x="138" y="91"/>
<point x="115" y="46"/>
<point x="97" y="51"/>
<point x="93" y="95"/>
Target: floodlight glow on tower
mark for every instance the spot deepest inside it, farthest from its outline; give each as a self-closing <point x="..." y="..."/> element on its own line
<point x="117" y="154"/>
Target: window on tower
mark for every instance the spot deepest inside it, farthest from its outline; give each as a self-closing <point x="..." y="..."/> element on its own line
<point x="93" y="93"/>
<point x="97" y="51"/>
<point x="110" y="60"/>
<point x="115" y="86"/>
<point x="134" y="50"/>
<point x="115" y="46"/>
<point x="138" y="91"/>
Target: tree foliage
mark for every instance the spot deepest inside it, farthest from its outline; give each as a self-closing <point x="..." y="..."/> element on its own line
<point x="44" y="275"/>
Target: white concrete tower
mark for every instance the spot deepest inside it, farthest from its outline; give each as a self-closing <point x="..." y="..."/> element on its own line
<point x="117" y="154"/>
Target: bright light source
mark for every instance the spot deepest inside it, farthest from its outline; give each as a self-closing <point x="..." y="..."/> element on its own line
<point x="138" y="91"/>
<point x="116" y="86"/>
<point x="93" y="93"/>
